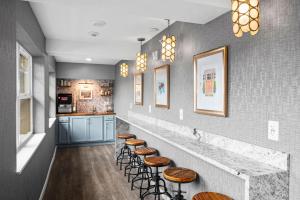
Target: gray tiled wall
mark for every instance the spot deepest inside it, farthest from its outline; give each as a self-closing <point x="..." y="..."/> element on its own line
<point x="264" y="78"/>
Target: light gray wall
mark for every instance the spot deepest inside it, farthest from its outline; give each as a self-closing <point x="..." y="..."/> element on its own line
<point x="123" y="88"/>
<point x="29" y="32"/>
<point x="85" y="71"/>
<point x="28" y="185"/>
<point x="8" y="178"/>
<point x="264" y="79"/>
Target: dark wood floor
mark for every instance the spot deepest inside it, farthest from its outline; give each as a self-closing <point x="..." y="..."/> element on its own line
<point x="87" y="173"/>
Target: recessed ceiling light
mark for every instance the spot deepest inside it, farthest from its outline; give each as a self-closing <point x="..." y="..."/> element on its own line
<point x="94" y="33"/>
<point x="89" y="59"/>
<point x="99" y="23"/>
<point x="154" y="29"/>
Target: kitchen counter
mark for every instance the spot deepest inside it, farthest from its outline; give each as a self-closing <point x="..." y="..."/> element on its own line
<point x="259" y="175"/>
<point x="85" y="114"/>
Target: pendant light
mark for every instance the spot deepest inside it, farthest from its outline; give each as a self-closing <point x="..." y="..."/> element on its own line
<point x="245" y="17"/>
<point x="141" y="58"/>
<point x="168" y="44"/>
<point x="124" y="70"/>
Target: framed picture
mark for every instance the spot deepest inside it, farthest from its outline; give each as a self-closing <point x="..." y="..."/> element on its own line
<point x="138" y="88"/>
<point x="86" y="92"/>
<point x="162" y="86"/>
<point x="210" y="82"/>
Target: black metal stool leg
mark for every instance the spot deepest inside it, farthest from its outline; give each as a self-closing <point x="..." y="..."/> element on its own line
<point x="179" y="195"/>
<point x="134" y="165"/>
<point x="128" y="164"/>
<point x="126" y="153"/>
<point x="157" y="193"/>
<point x="119" y="156"/>
<point x="142" y="175"/>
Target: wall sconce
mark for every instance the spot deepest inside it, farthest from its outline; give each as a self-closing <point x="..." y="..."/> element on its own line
<point x="141" y="58"/>
<point x="124" y="70"/>
<point x="168" y="44"/>
<point x="245" y="17"/>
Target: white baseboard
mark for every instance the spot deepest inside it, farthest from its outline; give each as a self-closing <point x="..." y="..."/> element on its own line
<point x="48" y="174"/>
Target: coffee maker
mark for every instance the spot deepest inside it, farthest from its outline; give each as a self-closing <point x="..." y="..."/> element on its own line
<point x="64" y="103"/>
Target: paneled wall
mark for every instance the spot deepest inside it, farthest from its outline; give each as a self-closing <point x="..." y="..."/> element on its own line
<point x="264" y="79"/>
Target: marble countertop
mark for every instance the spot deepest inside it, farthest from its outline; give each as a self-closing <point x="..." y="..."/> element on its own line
<point x="232" y="162"/>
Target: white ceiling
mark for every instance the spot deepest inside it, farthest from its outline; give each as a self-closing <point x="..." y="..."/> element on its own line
<point x="67" y="23"/>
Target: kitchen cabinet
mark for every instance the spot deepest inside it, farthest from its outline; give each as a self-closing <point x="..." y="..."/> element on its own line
<point x="79" y="129"/>
<point x="96" y="129"/>
<point x="109" y="127"/>
<point x="86" y="129"/>
<point x="63" y="130"/>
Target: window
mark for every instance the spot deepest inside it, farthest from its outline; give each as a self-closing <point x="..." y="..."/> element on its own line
<point x="24" y="96"/>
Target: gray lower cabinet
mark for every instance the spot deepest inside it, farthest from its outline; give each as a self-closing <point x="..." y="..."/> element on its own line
<point x="96" y="129"/>
<point x="109" y="130"/>
<point x="79" y="129"/>
<point x="86" y="129"/>
<point x="63" y="130"/>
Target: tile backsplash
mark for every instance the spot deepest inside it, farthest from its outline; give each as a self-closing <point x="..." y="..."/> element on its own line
<point x="101" y="93"/>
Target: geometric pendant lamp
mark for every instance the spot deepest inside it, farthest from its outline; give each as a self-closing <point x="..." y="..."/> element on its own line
<point x="245" y="17"/>
<point x="141" y="58"/>
<point x="168" y="44"/>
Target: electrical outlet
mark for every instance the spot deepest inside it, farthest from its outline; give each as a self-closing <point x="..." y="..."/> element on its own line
<point x="130" y="105"/>
<point x="273" y="130"/>
<point x="181" y="114"/>
<point x="149" y="108"/>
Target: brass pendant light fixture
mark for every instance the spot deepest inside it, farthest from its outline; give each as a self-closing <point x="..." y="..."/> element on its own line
<point x="141" y="58"/>
<point x="124" y="70"/>
<point x="245" y="17"/>
<point x="168" y="44"/>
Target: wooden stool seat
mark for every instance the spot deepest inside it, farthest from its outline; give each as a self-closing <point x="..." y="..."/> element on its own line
<point x="135" y="142"/>
<point x="145" y="151"/>
<point x="180" y="175"/>
<point x="125" y="136"/>
<point x="157" y="161"/>
<point x="210" y="196"/>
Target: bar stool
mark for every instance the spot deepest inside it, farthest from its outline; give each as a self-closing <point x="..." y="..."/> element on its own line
<point x="144" y="172"/>
<point x="125" y="151"/>
<point x="134" y="160"/>
<point x="210" y="196"/>
<point x="179" y="175"/>
<point x="157" y="162"/>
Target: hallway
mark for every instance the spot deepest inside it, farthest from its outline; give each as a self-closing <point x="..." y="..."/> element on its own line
<point x="87" y="173"/>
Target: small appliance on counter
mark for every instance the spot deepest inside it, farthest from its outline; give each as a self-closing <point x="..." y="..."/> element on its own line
<point x="109" y="107"/>
<point x="64" y="103"/>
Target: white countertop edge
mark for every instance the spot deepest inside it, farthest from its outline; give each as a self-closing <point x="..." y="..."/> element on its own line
<point x="209" y="160"/>
<point x="27" y="151"/>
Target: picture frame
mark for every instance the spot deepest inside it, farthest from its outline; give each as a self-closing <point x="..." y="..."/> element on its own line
<point x="162" y="86"/>
<point x="86" y="92"/>
<point x="210" y="82"/>
<point x="138" y="88"/>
